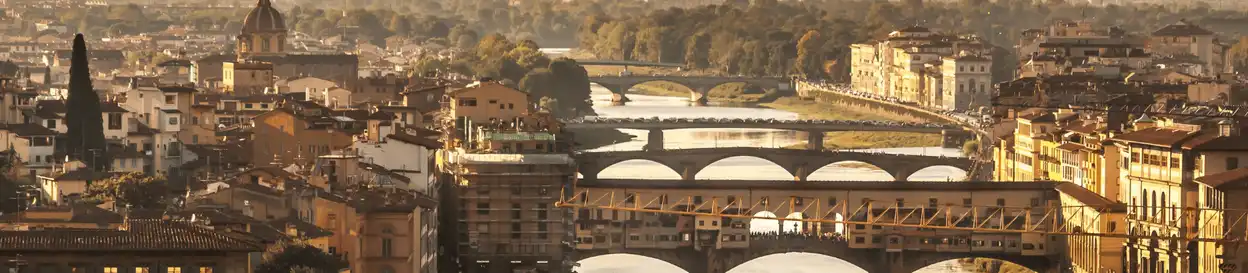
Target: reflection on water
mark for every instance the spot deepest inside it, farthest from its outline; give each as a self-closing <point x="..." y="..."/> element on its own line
<point x="748" y="168"/>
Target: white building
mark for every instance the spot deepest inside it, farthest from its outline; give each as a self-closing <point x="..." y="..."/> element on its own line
<point x="405" y="154"/>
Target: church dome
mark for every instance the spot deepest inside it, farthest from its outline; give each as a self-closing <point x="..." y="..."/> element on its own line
<point x="264" y="19"/>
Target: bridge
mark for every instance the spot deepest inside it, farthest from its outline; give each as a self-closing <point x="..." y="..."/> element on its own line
<point x="881" y="227"/>
<point x="953" y="135"/>
<point x="798" y="162"/>
<point x="699" y="86"/>
<point x="628" y="63"/>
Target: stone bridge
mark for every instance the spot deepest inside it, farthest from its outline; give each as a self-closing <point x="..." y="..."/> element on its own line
<point x="952" y="135"/>
<point x="722" y="260"/>
<point x="699" y="85"/>
<point x="799" y="163"/>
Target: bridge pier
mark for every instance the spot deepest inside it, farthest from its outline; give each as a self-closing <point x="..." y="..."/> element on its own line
<point x="618" y="92"/>
<point x="654" y="140"/>
<point x="814" y="140"/>
<point x="801" y="172"/>
<point x="698" y="95"/>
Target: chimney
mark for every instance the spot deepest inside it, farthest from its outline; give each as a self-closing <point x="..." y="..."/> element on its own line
<point x="1144" y="122"/>
<point x="1228" y="128"/>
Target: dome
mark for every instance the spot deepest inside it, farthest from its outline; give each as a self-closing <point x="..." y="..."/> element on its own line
<point x="264" y="18"/>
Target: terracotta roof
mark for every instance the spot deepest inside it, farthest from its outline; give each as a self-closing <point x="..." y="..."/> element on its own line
<point x="26" y="130"/>
<point x="1182" y="28"/>
<point x="415" y="140"/>
<point x="177" y="89"/>
<point x="138" y="235"/>
<point x="305" y="229"/>
<point x="81" y="174"/>
<point x="1156" y="136"/>
<point x="81" y="213"/>
<point x="1211" y="141"/>
<point x="1070" y="146"/>
<point x="1088" y="197"/>
<point x="1232" y="178"/>
<point x="1038" y="117"/>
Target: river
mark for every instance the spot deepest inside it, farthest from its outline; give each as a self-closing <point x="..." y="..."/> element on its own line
<point x="739" y="168"/>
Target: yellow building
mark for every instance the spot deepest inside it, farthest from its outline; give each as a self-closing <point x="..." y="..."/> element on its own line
<point x="487" y="102"/>
<point x="246" y="78"/>
<point x="917" y="65"/>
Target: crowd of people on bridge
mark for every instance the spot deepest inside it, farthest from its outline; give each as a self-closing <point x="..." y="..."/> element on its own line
<point x="777" y="235"/>
<point x="975" y="118"/>
<point x="877" y="123"/>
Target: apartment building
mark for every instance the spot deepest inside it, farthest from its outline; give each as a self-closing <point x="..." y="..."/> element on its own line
<point x="1184" y="39"/>
<point x="919" y="66"/>
<point x="507" y="168"/>
<point x="1155" y="168"/>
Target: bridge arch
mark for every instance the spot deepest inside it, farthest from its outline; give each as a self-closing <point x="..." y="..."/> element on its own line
<point x="936" y="172"/>
<point x="851" y="170"/>
<point x="985" y="264"/>
<point x="780" y="169"/>
<point x="825" y="263"/>
<point x="602" y="262"/>
<point x="612" y="167"/>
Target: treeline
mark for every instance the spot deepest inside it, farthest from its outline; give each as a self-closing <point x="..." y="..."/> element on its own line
<point x="559" y="85"/>
<point x="767" y="37"/>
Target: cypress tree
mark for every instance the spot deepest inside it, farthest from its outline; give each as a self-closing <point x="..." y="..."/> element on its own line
<point x="83" y="118"/>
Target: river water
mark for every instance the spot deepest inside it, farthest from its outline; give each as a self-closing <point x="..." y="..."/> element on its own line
<point x="739" y="168"/>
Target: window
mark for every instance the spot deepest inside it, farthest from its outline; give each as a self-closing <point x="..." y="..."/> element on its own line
<point x="142" y="269"/>
<point x="501" y="106"/>
<point x="264" y="106"/>
<point x="114" y="121"/>
<point x="966" y="202"/>
<point x="468" y="102"/>
<point x="173" y="269"/>
<point x="173" y="121"/>
<point x="113" y="269"/>
<point x="483" y="208"/>
<point x="932" y="202"/>
<point x="194" y="120"/>
<point x="511" y="106"/>
<point x="51" y="124"/>
<point x="515" y="211"/>
<point x="194" y="139"/>
<point x="387" y="245"/>
<point x="248" y="106"/>
<point x="170" y="99"/>
<point x="515" y="230"/>
<point x="1232" y="163"/>
<point x="202" y="269"/>
<point x="541" y="213"/>
<point x="493" y="101"/>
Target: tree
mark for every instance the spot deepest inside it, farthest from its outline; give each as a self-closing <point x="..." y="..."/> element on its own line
<point x="970" y="148"/>
<point x="809" y="62"/>
<point x="298" y="256"/>
<point x="83" y="119"/>
<point x="134" y="189"/>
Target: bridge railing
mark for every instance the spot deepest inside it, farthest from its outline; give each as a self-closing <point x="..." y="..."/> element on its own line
<point x="1198" y="225"/>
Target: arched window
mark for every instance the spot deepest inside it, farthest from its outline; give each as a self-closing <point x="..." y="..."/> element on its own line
<point x="264" y="44"/>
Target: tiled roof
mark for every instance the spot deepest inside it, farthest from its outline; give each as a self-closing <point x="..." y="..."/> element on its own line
<point x="1211" y="141"/>
<point x="1088" y="197"/>
<point x="26" y="129"/>
<point x="305" y="229"/>
<point x="177" y="89"/>
<point x="1231" y="178"/>
<point x="415" y="140"/>
<point x="1156" y="136"/>
<point x="137" y="235"/>
<point x="1181" y="29"/>
<point x="81" y="174"/>
<point x="81" y="213"/>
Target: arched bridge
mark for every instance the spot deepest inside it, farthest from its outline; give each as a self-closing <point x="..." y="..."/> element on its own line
<point x="799" y="163"/>
<point x="761" y="245"/>
<point x="699" y="85"/>
<point x="953" y="135"/>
